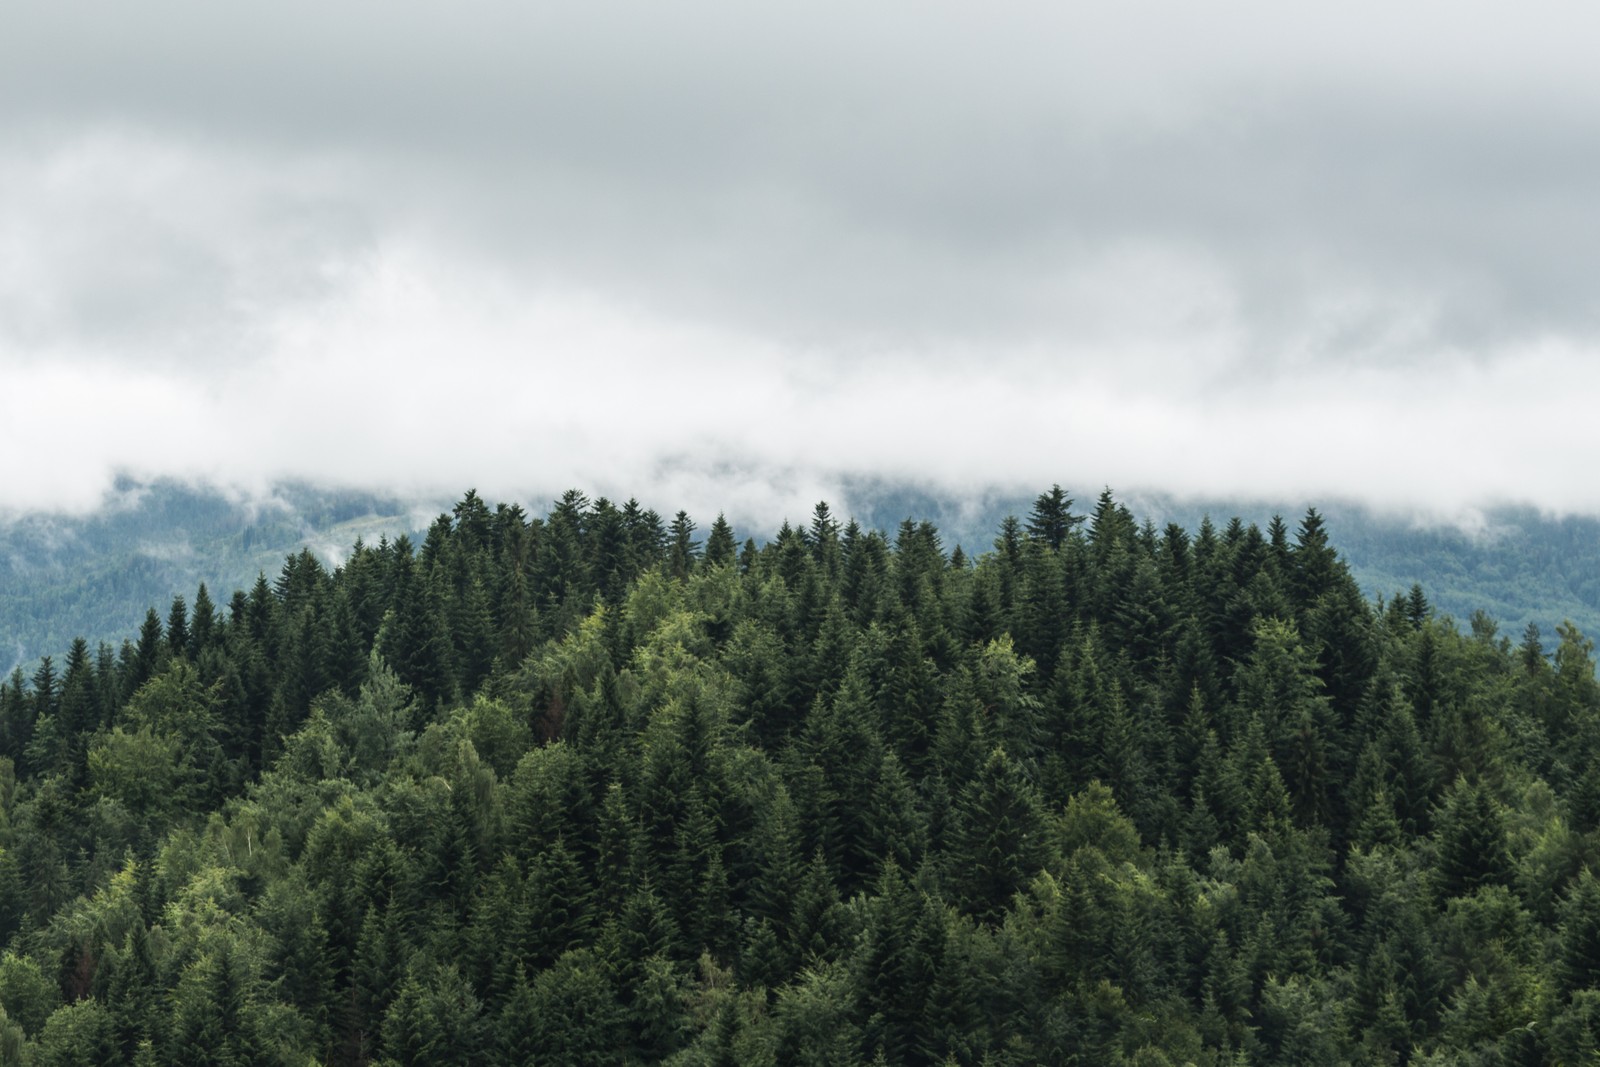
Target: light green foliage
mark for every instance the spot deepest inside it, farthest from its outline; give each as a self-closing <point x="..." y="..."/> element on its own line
<point x="79" y="1035"/>
<point x="144" y="771"/>
<point x="27" y="996"/>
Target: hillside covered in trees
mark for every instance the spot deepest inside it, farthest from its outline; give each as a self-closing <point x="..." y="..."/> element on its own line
<point x="93" y="575"/>
<point x="595" y="787"/>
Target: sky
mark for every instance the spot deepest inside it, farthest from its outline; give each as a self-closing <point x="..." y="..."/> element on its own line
<point x="743" y="257"/>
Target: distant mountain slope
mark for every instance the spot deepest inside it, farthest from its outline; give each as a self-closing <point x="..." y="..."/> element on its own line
<point x="1519" y="567"/>
<point x="61" y="577"/>
<point x="95" y="576"/>
<point x="1522" y="568"/>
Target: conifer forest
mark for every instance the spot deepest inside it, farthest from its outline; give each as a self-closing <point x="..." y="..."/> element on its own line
<point x="598" y="787"/>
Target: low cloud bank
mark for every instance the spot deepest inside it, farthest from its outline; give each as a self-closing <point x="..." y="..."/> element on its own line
<point x="420" y="376"/>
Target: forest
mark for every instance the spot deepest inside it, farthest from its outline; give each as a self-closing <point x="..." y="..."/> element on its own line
<point x="598" y="787"/>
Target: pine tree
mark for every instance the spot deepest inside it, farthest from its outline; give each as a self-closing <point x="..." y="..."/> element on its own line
<point x="148" y="655"/>
<point x="411" y="640"/>
<point x="645" y="537"/>
<point x="720" y="546"/>
<point x="78" y="710"/>
<point x="997" y="839"/>
<point x="685" y="550"/>
<point x="1473" y="849"/>
<point x="44" y="689"/>
<point x="84" y="1033"/>
<point x="902" y="954"/>
<point x="1580" y="934"/>
<point x="1051" y="519"/>
<point x="436" y="1019"/>
<point x="203" y="624"/>
<point x="815" y="921"/>
<point x="824" y="537"/>
<point x="178" y="628"/>
<point x="214" y="1017"/>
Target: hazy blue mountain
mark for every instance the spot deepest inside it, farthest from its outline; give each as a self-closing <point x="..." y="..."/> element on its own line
<point x="95" y="575"/>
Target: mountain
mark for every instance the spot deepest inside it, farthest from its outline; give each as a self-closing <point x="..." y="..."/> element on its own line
<point x="94" y="576"/>
<point x="575" y="788"/>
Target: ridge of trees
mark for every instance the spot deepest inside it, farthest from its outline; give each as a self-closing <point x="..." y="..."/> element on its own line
<point x="594" y="788"/>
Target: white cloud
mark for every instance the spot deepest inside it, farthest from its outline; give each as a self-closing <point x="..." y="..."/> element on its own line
<point x="725" y="258"/>
<point x="427" y="376"/>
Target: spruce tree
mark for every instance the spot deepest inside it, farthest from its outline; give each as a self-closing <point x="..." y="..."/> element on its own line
<point x="203" y="623"/>
<point x="996" y="839"/>
<point x="1051" y="519"/>
<point x="685" y="550"/>
<point x="720" y="545"/>
<point x="1473" y="850"/>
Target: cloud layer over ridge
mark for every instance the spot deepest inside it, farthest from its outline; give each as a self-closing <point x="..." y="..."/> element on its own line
<point x="723" y="256"/>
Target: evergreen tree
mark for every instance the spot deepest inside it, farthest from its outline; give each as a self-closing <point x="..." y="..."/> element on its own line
<point x="436" y="1018"/>
<point x="1051" y="519"/>
<point x="720" y="548"/>
<point x="685" y="550"/>
<point x="82" y="1034"/>
<point x="178" y="628"/>
<point x="901" y="957"/>
<point x="997" y="839"/>
<point x="1580" y="934"/>
<point x="203" y="624"/>
<point x="1473" y="849"/>
<point x="148" y="654"/>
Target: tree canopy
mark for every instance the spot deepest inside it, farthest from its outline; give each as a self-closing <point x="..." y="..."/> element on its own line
<point x="590" y="788"/>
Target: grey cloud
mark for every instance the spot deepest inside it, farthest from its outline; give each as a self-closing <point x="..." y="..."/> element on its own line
<point x="830" y="171"/>
<point x="830" y="243"/>
<point x="145" y="247"/>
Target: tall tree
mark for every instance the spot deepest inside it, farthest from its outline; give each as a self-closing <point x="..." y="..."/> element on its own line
<point x="685" y="550"/>
<point x="1051" y="519"/>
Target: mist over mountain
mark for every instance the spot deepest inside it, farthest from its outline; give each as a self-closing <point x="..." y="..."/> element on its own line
<point x="64" y="576"/>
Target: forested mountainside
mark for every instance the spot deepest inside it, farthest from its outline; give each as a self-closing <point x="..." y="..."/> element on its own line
<point x="63" y="576"/>
<point x="1522" y="567"/>
<point x="594" y="787"/>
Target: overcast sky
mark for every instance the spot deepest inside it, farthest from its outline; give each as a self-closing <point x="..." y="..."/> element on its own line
<point x="722" y="256"/>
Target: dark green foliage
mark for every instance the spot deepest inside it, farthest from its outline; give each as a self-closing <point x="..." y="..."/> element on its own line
<point x="578" y="789"/>
<point x="995" y="838"/>
<point x="436" y="1019"/>
<point x="1580" y="935"/>
<point x="149" y="654"/>
<point x="1051" y="519"/>
<point x="684" y="551"/>
<point x="720" y="545"/>
<point x="1473" y="850"/>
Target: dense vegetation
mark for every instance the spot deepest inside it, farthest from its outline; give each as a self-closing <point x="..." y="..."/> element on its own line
<point x="583" y="789"/>
<point x="94" y="574"/>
